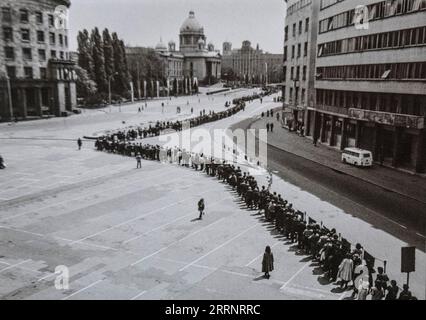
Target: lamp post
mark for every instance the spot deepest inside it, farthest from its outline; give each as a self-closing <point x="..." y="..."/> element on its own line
<point x="109" y="86"/>
<point x="9" y="94"/>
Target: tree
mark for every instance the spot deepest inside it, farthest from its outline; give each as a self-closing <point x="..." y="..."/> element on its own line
<point x="85" y="58"/>
<point x="85" y="86"/>
<point x="121" y="80"/>
<point x="99" y="61"/>
<point x="108" y="54"/>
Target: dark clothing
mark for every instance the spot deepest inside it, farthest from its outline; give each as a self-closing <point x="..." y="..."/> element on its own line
<point x="268" y="262"/>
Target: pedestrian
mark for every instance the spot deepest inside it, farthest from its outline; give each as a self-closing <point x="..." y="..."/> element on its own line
<point x="375" y="292"/>
<point x="405" y="293"/>
<point x="345" y="271"/>
<point x="382" y="279"/>
<point x="363" y="287"/>
<point x="315" y="141"/>
<point x="201" y="207"/>
<point x="267" y="262"/>
<point x="139" y="110"/>
<point x="2" y="163"/>
<point x="79" y="143"/>
<point x="392" y="291"/>
<point x="138" y="161"/>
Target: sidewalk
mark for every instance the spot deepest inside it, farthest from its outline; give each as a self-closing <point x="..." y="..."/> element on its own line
<point x="409" y="185"/>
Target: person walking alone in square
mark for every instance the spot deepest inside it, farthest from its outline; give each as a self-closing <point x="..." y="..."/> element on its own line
<point x="138" y="161"/>
<point x="267" y="262"/>
<point x="201" y="207"/>
<point x="79" y="143"/>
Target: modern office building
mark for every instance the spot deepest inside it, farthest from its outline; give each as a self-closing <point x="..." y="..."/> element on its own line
<point x="371" y="79"/>
<point x="36" y="73"/>
<point x="300" y="34"/>
<point x="252" y="64"/>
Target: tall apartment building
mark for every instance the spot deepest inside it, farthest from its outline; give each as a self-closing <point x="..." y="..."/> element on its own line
<point x="299" y="60"/>
<point x="371" y="79"/>
<point x="252" y="64"/>
<point x="34" y="56"/>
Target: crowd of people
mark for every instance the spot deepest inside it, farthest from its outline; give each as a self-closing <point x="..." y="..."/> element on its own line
<point x="346" y="266"/>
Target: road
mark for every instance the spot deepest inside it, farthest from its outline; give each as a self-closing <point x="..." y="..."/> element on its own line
<point x="389" y="211"/>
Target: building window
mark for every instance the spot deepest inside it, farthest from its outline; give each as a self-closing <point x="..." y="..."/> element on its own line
<point x="294" y="30"/>
<point x="53" y="54"/>
<point x="8" y="34"/>
<point x="51" y="20"/>
<point x="66" y="41"/>
<point x="42" y="54"/>
<point x="304" y="72"/>
<point x="298" y="73"/>
<point x="293" y="50"/>
<point x="52" y="38"/>
<point x="299" y="50"/>
<point x="286" y="33"/>
<point x="292" y="73"/>
<point x="43" y="73"/>
<point x="39" y="17"/>
<point x="61" y="55"/>
<point x="28" y="72"/>
<point x="307" y="25"/>
<point x="27" y="53"/>
<point x="300" y="26"/>
<point x="285" y="53"/>
<point x="285" y="73"/>
<point x="305" y="49"/>
<point x="6" y="14"/>
<point x="11" y="72"/>
<point x="61" y="40"/>
<point x="303" y="98"/>
<point x="9" y="53"/>
<point x="40" y="36"/>
<point x="23" y="13"/>
<point x="25" y="35"/>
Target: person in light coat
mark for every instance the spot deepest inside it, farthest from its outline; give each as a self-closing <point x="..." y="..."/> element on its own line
<point x="345" y="271"/>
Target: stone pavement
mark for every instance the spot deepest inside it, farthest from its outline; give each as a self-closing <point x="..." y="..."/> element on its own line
<point x="410" y="185"/>
<point x="131" y="234"/>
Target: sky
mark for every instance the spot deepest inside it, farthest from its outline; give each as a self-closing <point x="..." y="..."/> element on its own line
<point x="144" y="22"/>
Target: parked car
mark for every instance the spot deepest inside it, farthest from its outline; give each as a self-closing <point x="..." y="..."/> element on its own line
<point x="357" y="157"/>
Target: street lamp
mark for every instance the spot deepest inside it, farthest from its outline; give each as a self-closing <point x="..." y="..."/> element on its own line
<point x="9" y="95"/>
<point x="109" y="86"/>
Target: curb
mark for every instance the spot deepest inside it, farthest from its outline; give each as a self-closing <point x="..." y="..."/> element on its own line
<point x="341" y="171"/>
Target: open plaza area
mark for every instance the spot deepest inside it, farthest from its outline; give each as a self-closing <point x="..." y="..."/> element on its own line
<point x="134" y="234"/>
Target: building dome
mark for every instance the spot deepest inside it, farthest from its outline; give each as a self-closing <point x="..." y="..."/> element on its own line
<point x="191" y="24"/>
<point x="160" y="46"/>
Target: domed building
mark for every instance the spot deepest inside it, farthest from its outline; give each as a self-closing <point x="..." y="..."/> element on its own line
<point x="195" y="60"/>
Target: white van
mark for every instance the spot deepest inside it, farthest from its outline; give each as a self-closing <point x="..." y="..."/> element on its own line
<point x="357" y="157"/>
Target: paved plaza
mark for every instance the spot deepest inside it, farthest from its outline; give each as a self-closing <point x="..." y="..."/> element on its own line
<point x="132" y="234"/>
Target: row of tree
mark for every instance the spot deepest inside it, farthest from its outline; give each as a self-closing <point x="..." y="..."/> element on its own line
<point x="102" y="61"/>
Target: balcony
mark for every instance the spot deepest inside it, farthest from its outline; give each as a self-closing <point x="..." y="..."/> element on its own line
<point x="332" y="109"/>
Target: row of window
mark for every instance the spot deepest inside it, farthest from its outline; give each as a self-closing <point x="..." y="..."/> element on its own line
<point x="294" y="94"/>
<point x="295" y="29"/>
<point x="24" y="16"/>
<point x="328" y="3"/>
<point x="384" y="102"/>
<point x="299" y="51"/>
<point x="394" y="71"/>
<point x="28" y="72"/>
<point x="41" y="36"/>
<point x="297" y="6"/>
<point x="392" y="39"/>
<point x="27" y="54"/>
<point x="376" y="11"/>
<point x="297" y="75"/>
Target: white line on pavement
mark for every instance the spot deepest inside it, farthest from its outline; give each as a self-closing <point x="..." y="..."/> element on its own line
<point x="23" y="231"/>
<point x="260" y="255"/>
<point x="169" y="223"/>
<point x="139" y="295"/>
<point x="131" y="220"/>
<point x="221" y="246"/>
<point x="170" y="245"/>
<point x="14" y="265"/>
<point x="81" y="290"/>
<point x="295" y="275"/>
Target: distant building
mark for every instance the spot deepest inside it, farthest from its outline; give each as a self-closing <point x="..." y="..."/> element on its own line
<point x="34" y="55"/>
<point x="300" y="36"/>
<point x="252" y="65"/>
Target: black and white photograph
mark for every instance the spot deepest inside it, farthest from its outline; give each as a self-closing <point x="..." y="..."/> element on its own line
<point x="212" y="151"/>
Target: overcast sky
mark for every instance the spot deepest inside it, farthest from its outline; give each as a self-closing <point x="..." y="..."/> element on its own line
<point x="143" y="22"/>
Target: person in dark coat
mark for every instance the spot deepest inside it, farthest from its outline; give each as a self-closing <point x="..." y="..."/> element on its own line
<point x="267" y="262"/>
<point x="79" y="143"/>
<point x="201" y="207"/>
